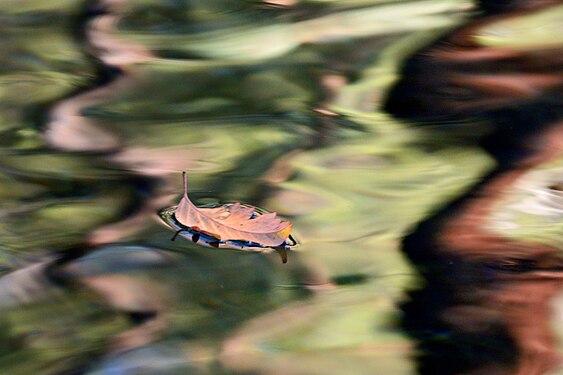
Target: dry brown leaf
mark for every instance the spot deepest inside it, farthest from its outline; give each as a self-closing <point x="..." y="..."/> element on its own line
<point x="232" y="222"/>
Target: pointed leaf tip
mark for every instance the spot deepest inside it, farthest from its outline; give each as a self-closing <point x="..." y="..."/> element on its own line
<point x="282" y="252"/>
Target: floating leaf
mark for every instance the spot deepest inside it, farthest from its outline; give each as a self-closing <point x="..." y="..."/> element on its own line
<point x="232" y="225"/>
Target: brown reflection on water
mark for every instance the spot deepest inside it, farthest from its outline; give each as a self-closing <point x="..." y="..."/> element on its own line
<point x="486" y="305"/>
<point x="66" y="128"/>
<point x="481" y="299"/>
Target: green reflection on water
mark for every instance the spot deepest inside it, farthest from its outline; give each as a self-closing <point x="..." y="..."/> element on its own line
<point x="233" y="103"/>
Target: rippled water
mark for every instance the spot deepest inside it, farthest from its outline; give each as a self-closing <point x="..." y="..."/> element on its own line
<point x="279" y="105"/>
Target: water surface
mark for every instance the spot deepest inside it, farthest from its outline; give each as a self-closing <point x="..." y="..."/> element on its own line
<point x="275" y="104"/>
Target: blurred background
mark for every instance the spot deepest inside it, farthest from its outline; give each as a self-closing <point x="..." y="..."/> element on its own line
<point x="278" y="104"/>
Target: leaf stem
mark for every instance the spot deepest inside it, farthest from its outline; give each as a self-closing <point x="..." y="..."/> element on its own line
<point x="185" y="179"/>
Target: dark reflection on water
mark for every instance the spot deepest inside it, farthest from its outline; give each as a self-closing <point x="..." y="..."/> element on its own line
<point x="487" y="304"/>
<point x="278" y="104"/>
